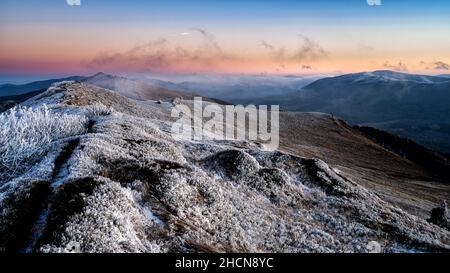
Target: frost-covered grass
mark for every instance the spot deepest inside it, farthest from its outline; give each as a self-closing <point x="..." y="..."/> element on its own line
<point x="26" y="133"/>
<point x="119" y="225"/>
<point x="99" y="109"/>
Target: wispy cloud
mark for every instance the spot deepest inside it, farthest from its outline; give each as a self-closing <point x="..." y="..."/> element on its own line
<point x="441" y="66"/>
<point x="164" y="56"/>
<point x="307" y="51"/>
<point x="267" y="45"/>
<point x="400" y="66"/>
<point x="365" y="48"/>
<point x="209" y="38"/>
<point x="278" y="54"/>
<point x="435" y="65"/>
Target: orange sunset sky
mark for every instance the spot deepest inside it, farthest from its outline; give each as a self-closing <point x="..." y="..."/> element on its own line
<point x="306" y="37"/>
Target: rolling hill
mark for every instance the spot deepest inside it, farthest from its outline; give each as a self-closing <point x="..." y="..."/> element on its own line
<point x="411" y="106"/>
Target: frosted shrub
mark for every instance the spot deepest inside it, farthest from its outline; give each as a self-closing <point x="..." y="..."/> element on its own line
<point x="26" y="133"/>
<point x="99" y="109"/>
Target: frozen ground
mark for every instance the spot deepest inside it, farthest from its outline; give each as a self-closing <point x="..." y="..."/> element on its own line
<point x="112" y="179"/>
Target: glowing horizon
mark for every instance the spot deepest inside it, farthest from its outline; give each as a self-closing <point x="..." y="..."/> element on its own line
<point x="224" y="36"/>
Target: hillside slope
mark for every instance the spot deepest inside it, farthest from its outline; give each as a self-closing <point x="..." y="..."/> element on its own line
<point x="415" y="186"/>
<point x="105" y="175"/>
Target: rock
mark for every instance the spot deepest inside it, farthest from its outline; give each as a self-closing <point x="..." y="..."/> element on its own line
<point x="232" y="163"/>
<point x="439" y="216"/>
<point x="176" y="101"/>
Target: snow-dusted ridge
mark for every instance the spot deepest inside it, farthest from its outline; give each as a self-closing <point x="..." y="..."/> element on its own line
<point x="121" y="183"/>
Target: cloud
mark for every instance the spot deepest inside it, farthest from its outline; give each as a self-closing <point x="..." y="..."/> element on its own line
<point x="307" y="51"/>
<point x="400" y="66"/>
<point x="152" y="54"/>
<point x="441" y="66"/>
<point x="162" y="55"/>
<point x="267" y="45"/>
<point x="365" y="48"/>
<point x="210" y="39"/>
<point x="280" y="55"/>
<point x="435" y="65"/>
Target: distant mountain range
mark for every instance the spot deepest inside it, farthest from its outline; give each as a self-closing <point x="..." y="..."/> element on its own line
<point x="232" y="88"/>
<point x="19" y="89"/>
<point x="412" y="106"/>
<point x="237" y="88"/>
<point x="12" y="94"/>
<point x="7" y="102"/>
<point x="137" y="88"/>
<point x="374" y="97"/>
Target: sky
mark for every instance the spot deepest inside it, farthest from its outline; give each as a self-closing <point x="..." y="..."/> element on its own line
<point x="50" y="37"/>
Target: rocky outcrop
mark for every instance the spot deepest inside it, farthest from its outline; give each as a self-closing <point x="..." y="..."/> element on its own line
<point x="439" y="216"/>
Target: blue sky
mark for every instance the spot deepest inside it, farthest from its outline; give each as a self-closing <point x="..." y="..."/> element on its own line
<point x="101" y="10"/>
<point x="398" y="31"/>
